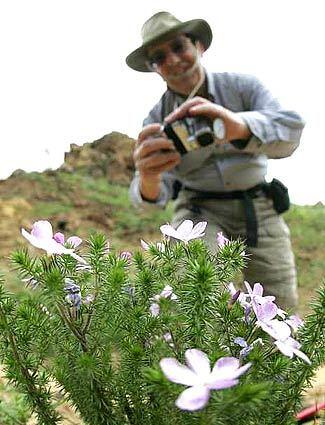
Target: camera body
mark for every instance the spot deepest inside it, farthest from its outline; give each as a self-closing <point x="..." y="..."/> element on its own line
<point x="190" y="133"/>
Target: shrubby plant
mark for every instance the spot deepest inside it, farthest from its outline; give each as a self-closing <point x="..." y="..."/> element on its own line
<point x="158" y="337"/>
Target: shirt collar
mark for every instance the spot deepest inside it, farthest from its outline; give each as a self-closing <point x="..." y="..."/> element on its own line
<point x="210" y="88"/>
<point x="210" y="85"/>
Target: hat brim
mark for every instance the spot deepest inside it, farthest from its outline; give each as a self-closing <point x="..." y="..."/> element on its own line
<point x="199" y="28"/>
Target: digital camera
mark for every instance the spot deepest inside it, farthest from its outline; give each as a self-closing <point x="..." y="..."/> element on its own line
<point x="190" y="133"/>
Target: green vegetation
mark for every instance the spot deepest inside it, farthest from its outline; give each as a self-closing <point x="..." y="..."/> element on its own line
<point x="105" y="333"/>
<point x="307" y="226"/>
<point x="13" y="409"/>
<point x="85" y="204"/>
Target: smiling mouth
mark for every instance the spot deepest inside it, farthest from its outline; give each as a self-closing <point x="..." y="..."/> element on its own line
<point x="182" y="72"/>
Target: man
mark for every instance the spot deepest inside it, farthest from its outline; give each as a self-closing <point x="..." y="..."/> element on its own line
<point x="223" y="182"/>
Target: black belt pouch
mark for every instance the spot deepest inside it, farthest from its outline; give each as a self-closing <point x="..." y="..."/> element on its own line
<point x="279" y="194"/>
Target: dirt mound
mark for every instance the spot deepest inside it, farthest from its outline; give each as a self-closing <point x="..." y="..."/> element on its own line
<point x="109" y="156"/>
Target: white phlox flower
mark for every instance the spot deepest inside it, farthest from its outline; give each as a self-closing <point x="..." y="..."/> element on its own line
<point x="186" y="231"/>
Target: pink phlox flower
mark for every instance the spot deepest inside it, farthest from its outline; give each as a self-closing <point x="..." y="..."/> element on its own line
<point x="154" y="309"/>
<point x="265" y="315"/>
<point x="126" y="256"/>
<point x="222" y="240"/>
<point x="295" y="322"/>
<point x="73" y="241"/>
<point x="167" y="293"/>
<point x="257" y="299"/>
<point x="159" y="245"/>
<point x="277" y="329"/>
<point x="289" y="347"/>
<point x="186" y="231"/>
<point x="41" y="236"/>
<point x="197" y="375"/>
<point x="256" y="293"/>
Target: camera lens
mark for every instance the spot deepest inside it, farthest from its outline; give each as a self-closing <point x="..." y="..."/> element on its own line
<point x="204" y="137"/>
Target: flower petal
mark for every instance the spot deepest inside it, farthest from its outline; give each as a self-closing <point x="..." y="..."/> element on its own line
<point x="193" y="398"/>
<point x="42" y="229"/>
<point x="198" y="230"/>
<point x="74" y="241"/>
<point x="266" y="312"/>
<point x="225" y="368"/>
<point x="168" y="230"/>
<point x="144" y="244"/>
<point x="240" y="371"/>
<point x="77" y="257"/>
<point x="178" y="373"/>
<point x="220" y="384"/>
<point x="38" y="243"/>
<point x="268" y="298"/>
<point x="277" y="329"/>
<point x="154" y="309"/>
<point x="222" y="240"/>
<point x="295" y="322"/>
<point x="231" y="288"/>
<point x="166" y="292"/>
<point x="198" y="362"/>
<point x="248" y="287"/>
<point x="185" y="228"/>
<point x="301" y="355"/>
<point x="284" y="348"/>
<point x="258" y="289"/>
<point x="240" y="341"/>
<point x="59" y="237"/>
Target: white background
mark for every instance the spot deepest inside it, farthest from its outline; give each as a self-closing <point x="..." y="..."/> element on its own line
<point x="63" y="77"/>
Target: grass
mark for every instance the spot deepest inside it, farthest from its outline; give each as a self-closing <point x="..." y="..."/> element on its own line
<point x="307" y="226"/>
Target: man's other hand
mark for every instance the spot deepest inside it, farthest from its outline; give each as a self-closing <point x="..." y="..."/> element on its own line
<point x="154" y="153"/>
<point x="236" y="128"/>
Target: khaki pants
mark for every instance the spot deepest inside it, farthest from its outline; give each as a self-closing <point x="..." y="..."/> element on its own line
<point x="271" y="263"/>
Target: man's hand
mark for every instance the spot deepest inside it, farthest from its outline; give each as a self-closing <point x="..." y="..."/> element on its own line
<point x="153" y="154"/>
<point x="235" y="126"/>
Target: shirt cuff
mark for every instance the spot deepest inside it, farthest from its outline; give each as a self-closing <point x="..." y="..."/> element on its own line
<point x="259" y="126"/>
<point x="138" y="200"/>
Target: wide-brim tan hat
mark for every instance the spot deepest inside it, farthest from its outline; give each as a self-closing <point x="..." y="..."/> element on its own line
<point x="160" y="27"/>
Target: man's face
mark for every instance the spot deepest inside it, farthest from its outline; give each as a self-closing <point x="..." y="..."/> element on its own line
<point x="177" y="61"/>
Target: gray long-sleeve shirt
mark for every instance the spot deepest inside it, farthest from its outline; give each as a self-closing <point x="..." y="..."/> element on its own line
<point x="275" y="134"/>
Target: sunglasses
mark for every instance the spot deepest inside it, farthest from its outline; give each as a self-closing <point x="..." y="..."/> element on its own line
<point x="158" y="58"/>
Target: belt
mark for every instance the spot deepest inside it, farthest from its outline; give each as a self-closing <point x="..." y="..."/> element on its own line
<point x="247" y="197"/>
